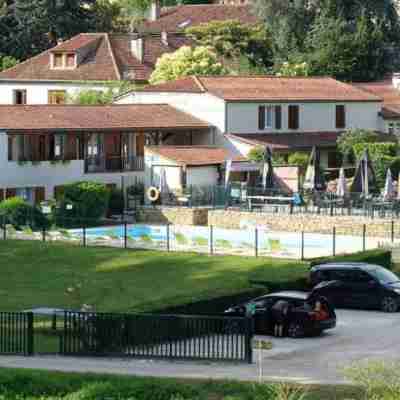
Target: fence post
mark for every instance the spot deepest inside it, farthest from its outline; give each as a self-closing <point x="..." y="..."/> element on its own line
<point x="364" y="234"/>
<point x="256" y="242"/>
<point x="84" y="235"/>
<point x="125" y="235"/>
<point x="392" y="231"/>
<point x="44" y="234"/>
<point x="29" y="332"/>
<point x="4" y="228"/>
<point x="211" y="240"/>
<point x="302" y="245"/>
<point x="168" y="239"/>
<point x="334" y="241"/>
<point x="249" y="339"/>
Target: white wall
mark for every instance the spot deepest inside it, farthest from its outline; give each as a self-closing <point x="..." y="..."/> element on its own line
<point x="202" y="176"/>
<point x="204" y="106"/>
<point x="47" y="175"/>
<point x="37" y="93"/>
<point x="243" y="117"/>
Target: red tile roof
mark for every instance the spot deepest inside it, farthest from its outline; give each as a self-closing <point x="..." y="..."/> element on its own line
<point x="293" y="141"/>
<point x="389" y="94"/>
<point x="108" y="59"/>
<point x="39" y="118"/>
<point x="266" y="88"/>
<point x="177" y="18"/>
<point x="192" y="155"/>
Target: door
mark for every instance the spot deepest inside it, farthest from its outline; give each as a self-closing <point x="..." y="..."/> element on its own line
<point x="364" y="290"/>
<point x="340" y="293"/>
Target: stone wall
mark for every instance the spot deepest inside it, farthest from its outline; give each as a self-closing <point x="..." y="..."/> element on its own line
<point x="173" y="215"/>
<point x="345" y="225"/>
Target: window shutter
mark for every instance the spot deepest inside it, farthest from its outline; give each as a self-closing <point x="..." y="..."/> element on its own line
<point x="58" y="192"/>
<point x="340" y="117"/>
<point x="278" y="117"/>
<point x="293" y="117"/>
<point x="39" y="195"/>
<point x="261" y="118"/>
<point x="140" y="143"/>
<point x="1" y="195"/>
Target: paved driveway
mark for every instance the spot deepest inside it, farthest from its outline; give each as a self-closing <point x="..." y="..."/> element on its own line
<point x="360" y="335"/>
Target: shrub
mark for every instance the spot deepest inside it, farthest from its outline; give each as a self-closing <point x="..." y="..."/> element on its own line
<point x="19" y="213"/>
<point x="89" y="202"/>
<point x="256" y="154"/>
<point x="116" y="202"/>
<point x="299" y="159"/>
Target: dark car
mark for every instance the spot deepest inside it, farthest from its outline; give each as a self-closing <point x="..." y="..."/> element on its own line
<point x="357" y="285"/>
<point x="301" y="318"/>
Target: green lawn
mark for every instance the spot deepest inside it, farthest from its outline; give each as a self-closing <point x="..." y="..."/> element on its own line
<point x="37" y="274"/>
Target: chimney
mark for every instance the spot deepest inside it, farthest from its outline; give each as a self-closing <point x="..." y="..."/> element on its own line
<point x="137" y="46"/>
<point x="164" y="38"/>
<point x="396" y="80"/>
<point x="155" y="10"/>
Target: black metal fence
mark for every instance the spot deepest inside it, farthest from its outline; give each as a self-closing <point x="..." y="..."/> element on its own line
<point x="16" y="333"/>
<point x="157" y="336"/>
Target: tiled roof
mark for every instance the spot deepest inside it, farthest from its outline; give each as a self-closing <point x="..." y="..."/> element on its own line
<point x="266" y="88"/>
<point x="192" y="155"/>
<point x="293" y="141"/>
<point x="389" y="94"/>
<point x="39" y="118"/>
<point x="177" y="18"/>
<point x="108" y="59"/>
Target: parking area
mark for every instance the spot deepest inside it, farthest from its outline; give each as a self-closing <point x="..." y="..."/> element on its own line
<point x="359" y="336"/>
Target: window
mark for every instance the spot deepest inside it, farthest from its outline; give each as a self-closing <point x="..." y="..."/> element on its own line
<point x="278" y="117"/>
<point x="341" y="275"/>
<point x="10" y="148"/>
<point x="59" y="144"/>
<point x="361" y="277"/>
<point x="58" y="60"/>
<point x="293" y="117"/>
<point x="56" y="96"/>
<point x="340" y="117"/>
<point x="70" y="60"/>
<point x="391" y="128"/>
<point x="268" y="116"/>
<point x="25" y="194"/>
<point x="19" y="96"/>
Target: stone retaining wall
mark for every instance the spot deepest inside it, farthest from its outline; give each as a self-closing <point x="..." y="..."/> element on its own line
<point x="345" y="225"/>
<point x="173" y="215"/>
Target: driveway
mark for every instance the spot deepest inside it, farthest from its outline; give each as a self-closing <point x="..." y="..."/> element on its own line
<point x="360" y="335"/>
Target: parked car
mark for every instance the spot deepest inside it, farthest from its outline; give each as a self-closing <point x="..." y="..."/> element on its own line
<point x="357" y="285"/>
<point x="301" y="320"/>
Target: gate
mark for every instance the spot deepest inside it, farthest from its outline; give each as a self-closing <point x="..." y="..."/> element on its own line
<point x="157" y="336"/>
<point x="16" y="333"/>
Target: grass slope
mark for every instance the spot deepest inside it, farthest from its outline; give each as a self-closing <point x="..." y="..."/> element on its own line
<point x="37" y="274"/>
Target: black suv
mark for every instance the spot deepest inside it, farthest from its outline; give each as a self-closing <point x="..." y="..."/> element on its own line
<point x="357" y="285"/>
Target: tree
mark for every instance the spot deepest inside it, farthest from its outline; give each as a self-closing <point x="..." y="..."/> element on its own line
<point x="352" y="137"/>
<point x="293" y="69"/>
<point x="231" y="39"/>
<point x="109" y="17"/>
<point x="7" y="62"/>
<point x="91" y="97"/>
<point x="187" y="61"/>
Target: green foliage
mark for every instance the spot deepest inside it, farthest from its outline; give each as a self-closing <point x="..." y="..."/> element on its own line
<point x="300" y="159"/>
<point x="293" y="69"/>
<point x="231" y="39"/>
<point x="19" y="214"/>
<point x="185" y="62"/>
<point x="352" y="137"/>
<point x="256" y="154"/>
<point x="116" y="202"/>
<point x="89" y="202"/>
<point x="109" y="17"/>
<point x="7" y="62"/>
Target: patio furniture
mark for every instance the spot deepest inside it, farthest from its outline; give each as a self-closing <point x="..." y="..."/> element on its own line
<point x="274" y="203"/>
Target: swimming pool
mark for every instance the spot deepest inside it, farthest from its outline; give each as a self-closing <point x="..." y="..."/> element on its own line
<point x="227" y="241"/>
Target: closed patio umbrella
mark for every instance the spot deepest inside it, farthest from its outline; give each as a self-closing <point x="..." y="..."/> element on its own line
<point x="228" y="168"/>
<point x="364" y="180"/>
<point x="268" y="172"/>
<point x="163" y="181"/>
<point x="314" y="179"/>
<point x="388" y="192"/>
<point x="341" y="189"/>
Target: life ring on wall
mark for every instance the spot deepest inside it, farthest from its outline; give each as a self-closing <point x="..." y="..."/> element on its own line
<point x="153" y="194"/>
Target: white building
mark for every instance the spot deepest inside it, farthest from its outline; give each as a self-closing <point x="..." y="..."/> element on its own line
<point x="287" y="114"/>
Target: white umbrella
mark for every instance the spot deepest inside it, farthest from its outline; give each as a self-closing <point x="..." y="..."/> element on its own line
<point x="228" y="168"/>
<point x="163" y="180"/>
<point x="341" y="189"/>
<point x="388" y="192"/>
<point x="309" y="178"/>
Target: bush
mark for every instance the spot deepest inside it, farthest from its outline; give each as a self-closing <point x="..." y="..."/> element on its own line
<point x="19" y="213"/>
<point x="299" y="159"/>
<point x="89" y="202"/>
<point x="116" y="202"/>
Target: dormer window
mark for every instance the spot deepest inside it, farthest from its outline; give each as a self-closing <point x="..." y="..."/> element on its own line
<point x="63" y="60"/>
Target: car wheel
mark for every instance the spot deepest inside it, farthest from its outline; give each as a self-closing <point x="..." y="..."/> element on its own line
<point x="389" y="304"/>
<point x="295" y="330"/>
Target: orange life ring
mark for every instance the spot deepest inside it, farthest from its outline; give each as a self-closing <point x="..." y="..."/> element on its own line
<point x="153" y="194"/>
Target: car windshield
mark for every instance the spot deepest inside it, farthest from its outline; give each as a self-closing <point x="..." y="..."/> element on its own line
<point x="383" y="275"/>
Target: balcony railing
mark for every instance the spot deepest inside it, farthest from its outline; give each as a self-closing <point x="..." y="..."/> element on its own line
<point x="99" y="164"/>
